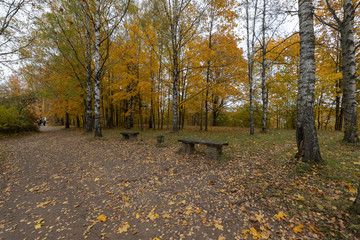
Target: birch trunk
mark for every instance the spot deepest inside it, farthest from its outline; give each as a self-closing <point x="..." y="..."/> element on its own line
<point x="306" y="134"/>
<point x="349" y="71"/>
<point x="88" y="77"/>
<point x="264" y="93"/>
<point x="175" y="127"/>
<point x="250" y="58"/>
<point x="97" y="79"/>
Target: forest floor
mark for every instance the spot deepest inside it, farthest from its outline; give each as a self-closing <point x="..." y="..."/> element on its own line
<point x="65" y="184"/>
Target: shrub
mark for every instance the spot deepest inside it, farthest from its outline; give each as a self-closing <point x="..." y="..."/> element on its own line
<point x="12" y="121"/>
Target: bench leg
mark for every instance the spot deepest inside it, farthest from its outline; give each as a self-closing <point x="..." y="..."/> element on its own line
<point x="133" y="136"/>
<point x="213" y="153"/>
<point x="188" y="148"/>
<point x="124" y="136"/>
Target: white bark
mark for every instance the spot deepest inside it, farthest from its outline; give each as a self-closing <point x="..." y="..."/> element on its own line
<point x="88" y="76"/>
<point x="349" y="71"/>
<point x="97" y="80"/>
<point x="306" y="134"/>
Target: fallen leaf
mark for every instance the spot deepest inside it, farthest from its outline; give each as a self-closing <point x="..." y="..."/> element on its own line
<point x="280" y="216"/>
<point x="219" y="226"/>
<point x="102" y="218"/>
<point x="299" y="197"/>
<point x="152" y="215"/>
<point x="123" y="227"/>
<point x="43" y="204"/>
<point x="40" y="220"/>
<point x="352" y="190"/>
<point x="255" y="233"/>
<point x="298" y="228"/>
<point x="314" y="229"/>
<point x="37" y="226"/>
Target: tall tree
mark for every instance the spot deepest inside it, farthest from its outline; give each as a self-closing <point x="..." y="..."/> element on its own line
<point x="306" y="134"/>
<point x="250" y="47"/>
<point x="181" y="18"/>
<point x="346" y="29"/>
<point x="13" y="29"/>
<point x="105" y="19"/>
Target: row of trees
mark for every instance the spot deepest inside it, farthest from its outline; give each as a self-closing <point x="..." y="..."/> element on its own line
<point x="116" y="63"/>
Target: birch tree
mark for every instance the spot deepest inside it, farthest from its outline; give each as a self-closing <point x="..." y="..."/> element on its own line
<point x="181" y="18"/>
<point x="251" y="50"/>
<point x="105" y="18"/>
<point x="306" y="134"/>
<point x="346" y="28"/>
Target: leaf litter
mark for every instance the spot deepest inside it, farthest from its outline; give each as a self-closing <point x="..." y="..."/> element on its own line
<point x="133" y="190"/>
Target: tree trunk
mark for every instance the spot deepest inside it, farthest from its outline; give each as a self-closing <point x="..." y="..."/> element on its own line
<point x="97" y="79"/>
<point x="140" y="113"/>
<point x="89" y="125"/>
<point x="306" y="134"/>
<point x="349" y="71"/>
<point x="67" y="120"/>
<point x="264" y="92"/>
<point x="77" y="121"/>
<point x="175" y="92"/>
<point x="250" y="58"/>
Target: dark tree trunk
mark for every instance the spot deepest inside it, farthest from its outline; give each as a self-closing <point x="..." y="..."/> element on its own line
<point x="67" y="120"/>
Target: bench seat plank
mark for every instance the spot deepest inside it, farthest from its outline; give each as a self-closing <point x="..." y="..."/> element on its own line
<point x="214" y="148"/>
<point x="129" y="135"/>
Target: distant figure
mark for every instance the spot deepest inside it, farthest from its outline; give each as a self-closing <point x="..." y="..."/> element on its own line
<point x="44" y="120"/>
<point x="38" y="120"/>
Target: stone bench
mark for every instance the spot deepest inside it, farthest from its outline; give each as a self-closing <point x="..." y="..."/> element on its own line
<point x="214" y="149"/>
<point x="129" y="135"/>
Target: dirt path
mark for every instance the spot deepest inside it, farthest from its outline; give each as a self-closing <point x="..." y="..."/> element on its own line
<point x="61" y="185"/>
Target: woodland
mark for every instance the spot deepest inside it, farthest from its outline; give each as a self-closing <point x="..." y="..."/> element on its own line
<point x="197" y="68"/>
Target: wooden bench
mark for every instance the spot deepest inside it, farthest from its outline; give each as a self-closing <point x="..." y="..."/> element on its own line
<point x="129" y="135"/>
<point x="214" y="149"/>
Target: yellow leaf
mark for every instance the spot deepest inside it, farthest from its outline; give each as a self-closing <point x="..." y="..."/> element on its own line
<point x="259" y="217"/>
<point x="298" y="228"/>
<point x="102" y="218"/>
<point x="219" y="226"/>
<point x="156" y="238"/>
<point x="352" y="190"/>
<point x="40" y="220"/>
<point x="255" y="234"/>
<point x="299" y="197"/>
<point x="137" y="216"/>
<point x="43" y="204"/>
<point x="280" y="215"/>
<point x="96" y="179"/>
<point x="221" y="237"/>
<point x="152" y="215"/>
<point x="171" y="203"/>
<point x="166" y="215"/>
<point x="314" y="229"/>
<point x="37" y="226"/>
<point x="123" y="227"/>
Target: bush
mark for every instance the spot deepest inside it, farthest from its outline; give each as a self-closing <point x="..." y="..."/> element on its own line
<point x="12" y="121"/>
